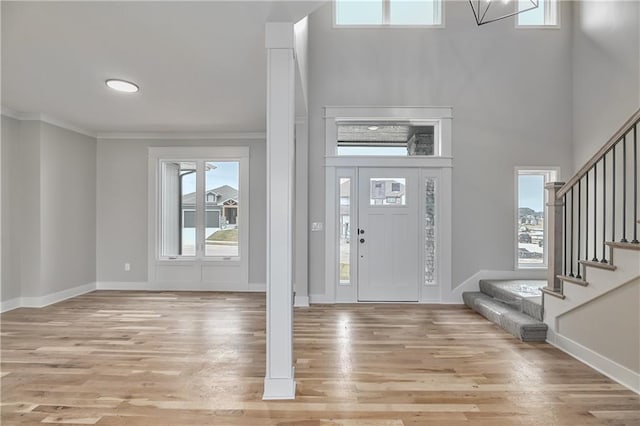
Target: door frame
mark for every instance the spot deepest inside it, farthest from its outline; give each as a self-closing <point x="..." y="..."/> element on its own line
<point x="412" y="208"/>
<point x="439" y="166"/>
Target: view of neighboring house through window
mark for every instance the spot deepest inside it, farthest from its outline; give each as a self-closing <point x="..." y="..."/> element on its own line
<point x="545" y="15"/>
<point x="388" y="12"/>
<point x="196" y="222"/>
<point x="530" y="225"/>
<point x="221" y="206"/>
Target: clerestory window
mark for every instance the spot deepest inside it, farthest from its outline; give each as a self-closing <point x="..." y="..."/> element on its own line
<point x="545" y="15"/>
<point x="420" y="13"/>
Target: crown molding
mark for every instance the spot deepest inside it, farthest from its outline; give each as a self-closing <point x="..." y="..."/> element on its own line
<point x="34" y="116"/>
<point x="185" y="135"/>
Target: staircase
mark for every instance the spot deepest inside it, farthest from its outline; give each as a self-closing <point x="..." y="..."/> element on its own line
<point x="514" y="305"/>
<point x="590" y="306"/>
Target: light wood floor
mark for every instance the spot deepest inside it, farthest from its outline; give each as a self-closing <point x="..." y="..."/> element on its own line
<point x="130" y="358"/>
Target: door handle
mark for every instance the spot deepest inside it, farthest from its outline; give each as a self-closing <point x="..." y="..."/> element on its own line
<point x="361" y="240"/>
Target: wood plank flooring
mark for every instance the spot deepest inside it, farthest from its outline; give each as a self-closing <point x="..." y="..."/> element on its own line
<point x="136" y="358"/>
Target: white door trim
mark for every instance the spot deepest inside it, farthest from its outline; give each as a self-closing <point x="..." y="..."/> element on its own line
<point x="442" y="165"/>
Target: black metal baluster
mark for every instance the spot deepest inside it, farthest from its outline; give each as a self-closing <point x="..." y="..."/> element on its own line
<point x="579" y="230"/>
<point x="571" y="234"/>
<point x="586" y="218"/>
<point x="635" y="184"/>
<point x="624" y="189"/>
<point x="595" y="213"/>
<point x="564" y="230"/>
<point x="604" y="208"/>
<point x="613" y="196"/>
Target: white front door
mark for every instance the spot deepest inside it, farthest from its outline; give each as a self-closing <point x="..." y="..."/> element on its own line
<point x="388" y="235"/>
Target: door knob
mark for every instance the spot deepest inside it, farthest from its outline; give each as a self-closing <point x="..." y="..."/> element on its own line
<point x="362" y="240"/>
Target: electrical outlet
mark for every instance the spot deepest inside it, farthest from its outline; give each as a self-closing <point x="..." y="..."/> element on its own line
<point x="127" y="267"/>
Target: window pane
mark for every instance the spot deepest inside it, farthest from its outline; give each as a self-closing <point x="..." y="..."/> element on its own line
<point x="396" y="151"/>
<point x="530" y="226"/>
<point x="533" y="16"/>
<point x="414" y="12"/>
<point x="358" y="12"/>
<point x="430" y="232"/>
<point x="177" y="210"/>
<point x="222" y="207"/>
<point x="345" y="231"/>
<point x="387" y="192"/>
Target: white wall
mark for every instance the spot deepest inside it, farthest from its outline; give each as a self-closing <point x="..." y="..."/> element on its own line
<point x="511" y="96"/>
<point x="48" y="209"/>
<point x="606" y="71"/>
<point x="122" y="206"/>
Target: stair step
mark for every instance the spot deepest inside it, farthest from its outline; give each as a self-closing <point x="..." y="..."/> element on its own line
<point x="520" y="325"/>
<point x="553" y="293"/>
<point x="573" y="280"/>
<point x="628" y="246"/>
<point x="598" y="265"/>
<point x="522" y="295"/>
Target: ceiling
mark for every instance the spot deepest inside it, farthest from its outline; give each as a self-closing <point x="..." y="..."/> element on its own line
<point x="201" y="66"/>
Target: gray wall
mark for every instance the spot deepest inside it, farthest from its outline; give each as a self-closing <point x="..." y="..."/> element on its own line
<point x="122" y="206"/>
<point x="606" y="70"/>
<point x="616" y="337"/>
<point x="48" y="207"/>
<point x="68" y="209"/>
<point x="10" y="256"/>
<point x="511" y="96"/>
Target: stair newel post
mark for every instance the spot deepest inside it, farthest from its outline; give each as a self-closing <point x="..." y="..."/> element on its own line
<point x="555" y="235"/>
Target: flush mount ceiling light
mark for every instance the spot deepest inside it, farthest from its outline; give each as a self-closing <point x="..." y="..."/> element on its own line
<point x="122" y="85"/>
<point x="486" y="11"/>
<point x="372" y="127"/>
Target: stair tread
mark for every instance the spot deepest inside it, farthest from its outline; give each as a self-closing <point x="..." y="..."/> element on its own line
<point x="573" y="280"/>
<point x="553" y="293"/>
<point x="512" y="320"/>
<point x="598" y="265"/>
<point x="628" y="246"/>
<point x="524" y="295"/>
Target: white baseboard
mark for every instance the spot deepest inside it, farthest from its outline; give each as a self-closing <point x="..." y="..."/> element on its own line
<point x="473" y="282"/>
<point x="160" y="286"/>
<point x="258" y="287"/>
<point x="321" y="299"/>
<point x="49" y="299"/>
<point x="10" y="304"/>
<point x="619" y="373"/>
<point x="301" y="301"/>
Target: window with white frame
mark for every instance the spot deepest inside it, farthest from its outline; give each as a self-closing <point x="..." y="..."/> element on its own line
<point x="531" y="232"/>
<point x="388" y="12"/>
<point x="545" y="15"/>
<point x="198" y="208"/>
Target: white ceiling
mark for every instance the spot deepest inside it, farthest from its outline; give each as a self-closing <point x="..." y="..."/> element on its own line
<point x="201" y="66"/>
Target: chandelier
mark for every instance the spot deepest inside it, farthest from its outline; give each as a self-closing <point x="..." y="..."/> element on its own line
<point x="486" y="11"/>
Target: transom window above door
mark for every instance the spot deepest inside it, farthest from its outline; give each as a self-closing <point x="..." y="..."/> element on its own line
<point x="388" y="13"/>
<point x="390" y="139"/>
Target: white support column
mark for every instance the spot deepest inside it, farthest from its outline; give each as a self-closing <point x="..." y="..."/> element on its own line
<point x="279" y="382"/>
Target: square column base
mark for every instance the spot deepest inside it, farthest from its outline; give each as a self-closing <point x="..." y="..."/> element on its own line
<point x="279" y="388"/>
